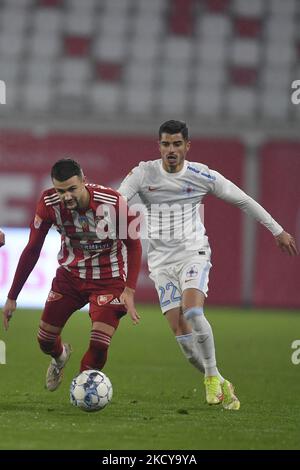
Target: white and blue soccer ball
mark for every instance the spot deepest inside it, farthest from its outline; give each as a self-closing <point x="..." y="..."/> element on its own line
<point x="91" y="390"/>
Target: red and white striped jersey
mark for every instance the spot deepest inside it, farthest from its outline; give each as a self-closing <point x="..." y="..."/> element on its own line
<point x="82" y="251"/>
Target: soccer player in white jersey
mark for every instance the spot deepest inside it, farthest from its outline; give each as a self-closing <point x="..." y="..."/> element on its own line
<point x="172" y="190"/>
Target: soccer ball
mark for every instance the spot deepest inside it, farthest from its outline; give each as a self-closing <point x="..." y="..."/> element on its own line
<point x="91" y="390"/>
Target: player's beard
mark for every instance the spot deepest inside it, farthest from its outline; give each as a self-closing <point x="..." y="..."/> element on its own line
<point x="72" y="204"/>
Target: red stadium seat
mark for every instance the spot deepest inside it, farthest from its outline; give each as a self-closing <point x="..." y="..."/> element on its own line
<point x="50" y="3"/>
<point x="109" y="71"/>
<point x="77" y="45"/>
<point x="247" y="27"/>
<point x="244" y="76"/>
<point x="217" y="5"/>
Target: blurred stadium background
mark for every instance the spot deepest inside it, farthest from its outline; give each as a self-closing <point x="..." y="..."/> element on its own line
<point x="93" y="80"/>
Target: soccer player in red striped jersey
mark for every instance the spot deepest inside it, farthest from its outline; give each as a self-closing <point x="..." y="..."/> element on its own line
<point x="93" y="267"/>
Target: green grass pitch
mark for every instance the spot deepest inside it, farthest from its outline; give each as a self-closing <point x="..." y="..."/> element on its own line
<point x="158" y="400"/>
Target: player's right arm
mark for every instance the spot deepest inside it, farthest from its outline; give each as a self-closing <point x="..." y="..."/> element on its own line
<point x="28" y="259"/>
<point x="131" y="184"/>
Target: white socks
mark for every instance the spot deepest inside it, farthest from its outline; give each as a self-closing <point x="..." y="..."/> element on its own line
<point x="61" y="359"/>
<point x="187" y="346"/>
<point x="191" y="351"/>
<point x="203" y="341"/>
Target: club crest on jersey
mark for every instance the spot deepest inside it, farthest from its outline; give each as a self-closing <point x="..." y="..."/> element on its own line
<point x="83" y="222"/>
<point x="37" y="221"/>
<point x="188" y="189"/>
<point x="104" y="299"/>
<point x="192" y="272"/>
<point x="53" y="296"/>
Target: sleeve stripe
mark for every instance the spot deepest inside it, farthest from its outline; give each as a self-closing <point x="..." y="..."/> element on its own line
<point x="99" y="199"/>
<point x="51" y="198"/>
<point x="107" y="196"/>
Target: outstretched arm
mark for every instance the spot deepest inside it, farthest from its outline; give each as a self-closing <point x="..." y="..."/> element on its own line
<point x="26" y="264"/>
<point x="228" y="191"/>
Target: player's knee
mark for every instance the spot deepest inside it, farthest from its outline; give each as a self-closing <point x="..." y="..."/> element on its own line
<point x="197" y="319"/>
<point x="47" y="340"/>
<point x="193" y="312"/>
<point x="193" y="315"/>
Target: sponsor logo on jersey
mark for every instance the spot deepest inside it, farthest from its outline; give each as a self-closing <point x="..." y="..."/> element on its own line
<point x="208" y="176"/>
<point x="195" y="170"/>
<point x="152" y="188"/>
<point x="94" y="246"/>
<point x="116" y="302"/>
<point x="83" y="222"/>
<point x="37" y="221"/>
<point x="53" y="296"/>
<point x="104" y="299"/>
<point x="192" y="272"/>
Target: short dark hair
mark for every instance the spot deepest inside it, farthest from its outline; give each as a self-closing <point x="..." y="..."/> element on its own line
<point x="174" y="127"/>
<point x="65" y="168"/>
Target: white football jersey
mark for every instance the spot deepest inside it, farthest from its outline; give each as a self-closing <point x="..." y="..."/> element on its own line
<point x="173" y="202"/>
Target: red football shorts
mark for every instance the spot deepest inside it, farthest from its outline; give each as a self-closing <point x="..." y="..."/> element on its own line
<point x="69" y="293"/>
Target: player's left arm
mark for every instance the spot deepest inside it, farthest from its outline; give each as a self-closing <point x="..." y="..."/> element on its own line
<point x="134" y="256"/>
<point x="228" y="191"/>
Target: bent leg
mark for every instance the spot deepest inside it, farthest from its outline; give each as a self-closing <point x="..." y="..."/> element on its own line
<point x="96" y="355"/>
<point x="184" y="337"/>
<point x="105" y="321"/>
<point x="55" y="315"/>
<point x="49" y="339"/>
<point x="63" y="299"/>
<point x="193" y="302"/>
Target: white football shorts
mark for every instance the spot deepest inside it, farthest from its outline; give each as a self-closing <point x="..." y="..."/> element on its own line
<point x="171" y="281"/>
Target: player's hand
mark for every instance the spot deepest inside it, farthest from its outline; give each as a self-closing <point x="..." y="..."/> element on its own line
<point x="127" y="298"/>
<point x="2" y="238"/>
<point x="287" y="243"/>
<point x="8" y="309"/>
